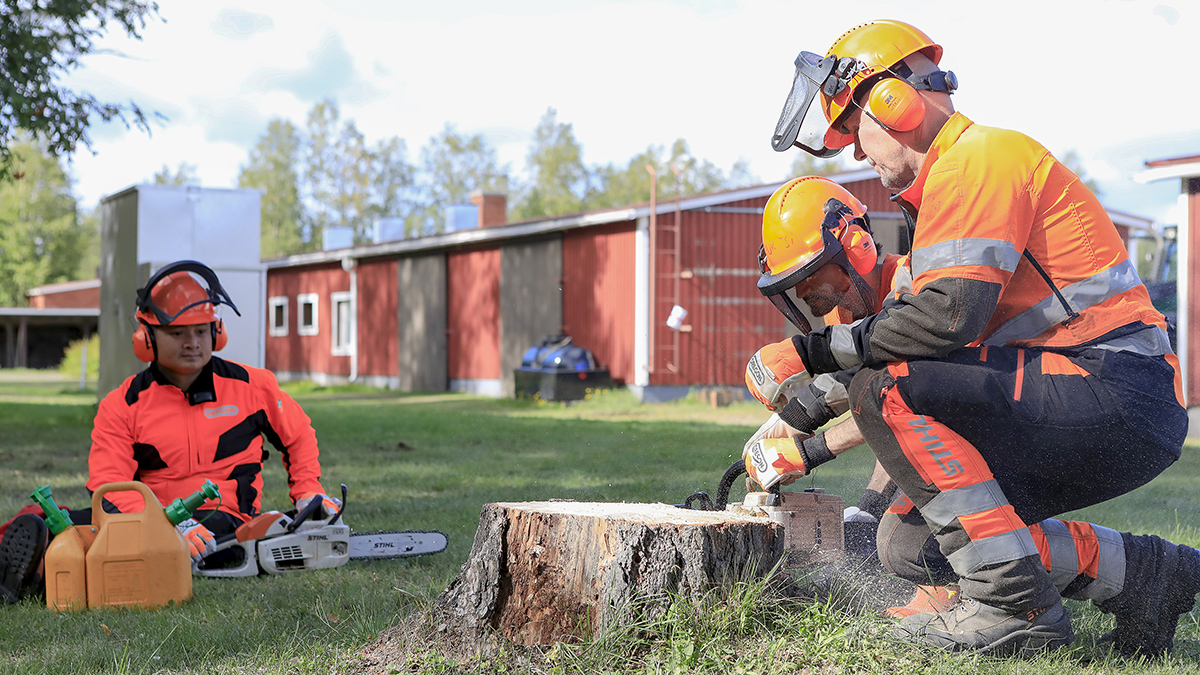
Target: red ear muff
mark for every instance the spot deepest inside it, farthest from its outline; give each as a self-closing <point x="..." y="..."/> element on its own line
<point x="143" y="344"/>
<point x="895" y="104"/>
<point x="220" y="337"/>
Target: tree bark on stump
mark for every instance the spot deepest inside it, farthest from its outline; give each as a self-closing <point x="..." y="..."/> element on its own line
<point x="544" y="572"/>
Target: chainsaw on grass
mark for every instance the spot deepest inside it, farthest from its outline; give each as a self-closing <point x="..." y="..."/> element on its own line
<point x="277" y="543"/>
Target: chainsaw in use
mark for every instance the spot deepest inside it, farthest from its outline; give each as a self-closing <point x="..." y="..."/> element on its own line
<point x="277" y="543"/>
<point x="812" y="520"/>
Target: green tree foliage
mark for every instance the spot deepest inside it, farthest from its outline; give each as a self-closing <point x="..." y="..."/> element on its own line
<point x="807" y="165"/>
<point x="452" y="167"/>
<point x="273" y="168"/>
<point x="185" y="174"/>
<point x="89" y="261"/>
<point x="40" y="43"/>
<point x="677" y="171"/>
<point x="41" y="241"/>
<point x="351" y="184"/>
<point x="558" y="178"/>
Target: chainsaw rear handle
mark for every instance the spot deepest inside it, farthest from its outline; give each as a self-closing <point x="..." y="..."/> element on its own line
<point x="249" y="566"/>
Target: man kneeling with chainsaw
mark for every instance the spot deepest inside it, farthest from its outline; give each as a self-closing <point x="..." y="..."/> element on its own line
<point x="817" y="244"/>
<point x="187" y="418"/>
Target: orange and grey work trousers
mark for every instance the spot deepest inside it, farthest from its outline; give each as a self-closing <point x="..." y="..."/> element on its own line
<point x="987" y="442"/>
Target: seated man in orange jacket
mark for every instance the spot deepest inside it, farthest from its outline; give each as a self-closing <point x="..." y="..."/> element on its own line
<point x="187" y="418"/>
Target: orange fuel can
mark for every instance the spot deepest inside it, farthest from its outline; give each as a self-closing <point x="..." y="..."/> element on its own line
<point x="137" y="559"/>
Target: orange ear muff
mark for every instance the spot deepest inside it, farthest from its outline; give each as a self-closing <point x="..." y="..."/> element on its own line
<point x="896" y="105"/>
<point x="220" y="337"/>
<point x="143" y="344"/>
<point x="860" y="249"/>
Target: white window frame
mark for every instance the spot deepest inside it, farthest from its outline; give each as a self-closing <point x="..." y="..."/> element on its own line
<point x="335" y="328"/>
<point x="310" y="299"/>
<point x="272" y="303"/>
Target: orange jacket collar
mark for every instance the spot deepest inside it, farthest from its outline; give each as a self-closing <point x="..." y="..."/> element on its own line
<point x="948" y="136"/>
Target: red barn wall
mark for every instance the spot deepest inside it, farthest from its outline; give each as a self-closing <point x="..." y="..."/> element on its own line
<point x="377" y="329"/>
<point x="307" y="353"/>
<point x="473" y="314"/>
<point x="599" y="294"/>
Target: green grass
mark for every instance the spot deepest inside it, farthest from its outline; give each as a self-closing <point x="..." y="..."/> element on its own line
<point x="430" y="462"/>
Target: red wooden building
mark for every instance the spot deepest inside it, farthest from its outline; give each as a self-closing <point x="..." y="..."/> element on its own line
<point x="458" y="310"/>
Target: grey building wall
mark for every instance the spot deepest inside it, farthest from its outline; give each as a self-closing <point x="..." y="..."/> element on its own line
<point x="423" y="354"/>
<point x="530" y="300"/>
<point x="120" y="279"/>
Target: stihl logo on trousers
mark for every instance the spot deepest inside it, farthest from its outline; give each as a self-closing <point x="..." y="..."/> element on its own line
<point x="935" y="447"/>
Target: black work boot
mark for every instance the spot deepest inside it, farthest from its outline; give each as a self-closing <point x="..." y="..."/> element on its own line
<point x="1161" y="582"/>
<point x="21" y="551"/>
<point x="974" y="626"/>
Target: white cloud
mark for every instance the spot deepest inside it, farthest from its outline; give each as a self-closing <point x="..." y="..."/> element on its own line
<point x="1084" y="75"/>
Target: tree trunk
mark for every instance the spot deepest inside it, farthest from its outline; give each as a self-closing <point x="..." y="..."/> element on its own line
<point x="543" y="572"/>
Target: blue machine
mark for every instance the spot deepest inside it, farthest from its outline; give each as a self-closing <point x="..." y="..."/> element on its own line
<point x="558" y="370"/>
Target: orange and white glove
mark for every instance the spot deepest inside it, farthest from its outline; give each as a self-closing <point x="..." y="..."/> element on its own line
<point x="198" y="537"/>
<point x="776" y="372"/>
<point x="329" y="505"/>
<point x="772" y="461"/>
<point x="774" y="427"/>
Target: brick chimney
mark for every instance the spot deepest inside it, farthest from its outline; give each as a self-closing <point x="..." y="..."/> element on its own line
<point x="493" y="207"/>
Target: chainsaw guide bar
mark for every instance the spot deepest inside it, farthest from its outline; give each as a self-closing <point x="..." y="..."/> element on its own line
<point x="401" y="544"/>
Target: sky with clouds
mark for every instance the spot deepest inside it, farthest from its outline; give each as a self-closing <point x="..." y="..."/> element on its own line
<point x="1110" y="80"/>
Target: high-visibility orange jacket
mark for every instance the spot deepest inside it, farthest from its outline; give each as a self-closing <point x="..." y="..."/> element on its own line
<point x="149" y="430"/>
<point x="986" y="201"/>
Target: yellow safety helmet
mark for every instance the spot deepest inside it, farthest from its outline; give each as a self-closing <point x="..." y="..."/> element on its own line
<point x="811" y="221"/>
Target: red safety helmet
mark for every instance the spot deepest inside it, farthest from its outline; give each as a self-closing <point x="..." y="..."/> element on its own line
<point x="173" y="297"/>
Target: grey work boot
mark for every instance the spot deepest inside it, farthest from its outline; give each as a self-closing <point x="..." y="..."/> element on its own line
<point x="21" y="551"/>
<point x="972" y="625"/>
<point x="1161" y="583"/>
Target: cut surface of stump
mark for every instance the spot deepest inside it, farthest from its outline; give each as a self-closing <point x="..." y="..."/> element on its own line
<point x="543" y="572"/>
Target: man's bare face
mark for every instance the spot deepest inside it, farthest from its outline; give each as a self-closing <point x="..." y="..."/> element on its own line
<point x="824" y="289"/>
<point x="892" y="160"/>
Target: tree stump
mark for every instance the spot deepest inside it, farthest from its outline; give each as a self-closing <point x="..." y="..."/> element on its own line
<point x="544" y="572"/>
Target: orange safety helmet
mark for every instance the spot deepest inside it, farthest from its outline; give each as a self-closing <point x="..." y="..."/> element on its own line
<point x="809" y="222"/>
<point x="174" y="297"/>
<point x="858" y="60"/>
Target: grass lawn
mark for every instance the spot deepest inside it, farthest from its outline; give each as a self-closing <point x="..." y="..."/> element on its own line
<point x="430" y="462"/>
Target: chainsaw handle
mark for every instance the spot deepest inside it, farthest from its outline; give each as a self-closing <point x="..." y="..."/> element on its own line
<point x="248" y="568"/>
<point x="309" y="510"/>
<point x="337" y="515"/>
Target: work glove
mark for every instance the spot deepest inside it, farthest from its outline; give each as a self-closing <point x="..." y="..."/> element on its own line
<point x="199" y="539"/>
<point x="329" y="505"/>
<point x="772" y="461"/>
<point x="774" y="427"/>
<point x="775" y="373"/>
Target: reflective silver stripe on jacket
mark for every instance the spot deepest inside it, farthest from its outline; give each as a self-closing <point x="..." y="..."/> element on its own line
<point x="1064" y="559"/>
<point x="993" y="550"/>
<point x="996" y="253"/>
<point x="1110" y="570"/>
<point x="1049" y="312"/>
<point x="963" y="501"/>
